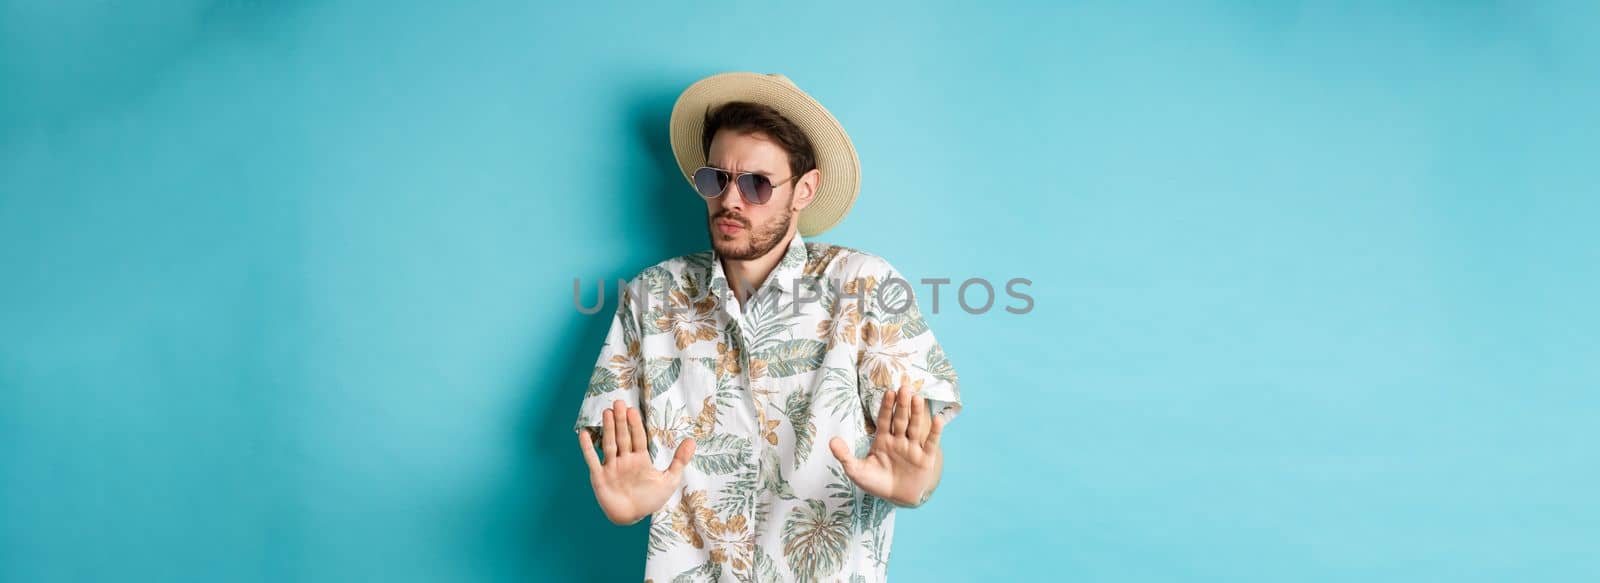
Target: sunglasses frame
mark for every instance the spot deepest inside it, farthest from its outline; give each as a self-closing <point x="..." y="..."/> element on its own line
<point x="733" y="179"/>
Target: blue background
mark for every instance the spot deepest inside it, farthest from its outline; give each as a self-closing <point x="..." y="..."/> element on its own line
<point x="287" y="286"/>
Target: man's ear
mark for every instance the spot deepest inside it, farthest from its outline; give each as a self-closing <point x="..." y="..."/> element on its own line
<point x="805" y="189"/>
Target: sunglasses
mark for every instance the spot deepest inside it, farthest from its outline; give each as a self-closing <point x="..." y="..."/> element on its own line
<point x="755" y="188"/>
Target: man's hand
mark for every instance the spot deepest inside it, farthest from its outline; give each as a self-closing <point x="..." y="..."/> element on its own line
<point x="904" y="464"/>
<point x="627" y="486"/>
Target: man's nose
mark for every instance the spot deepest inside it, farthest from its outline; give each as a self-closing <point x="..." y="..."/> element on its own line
<point x="731" y="198"/>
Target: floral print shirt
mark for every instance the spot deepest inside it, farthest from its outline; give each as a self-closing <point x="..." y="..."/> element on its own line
<point x="762" y="386"/>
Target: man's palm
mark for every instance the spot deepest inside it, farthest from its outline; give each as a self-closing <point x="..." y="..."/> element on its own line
<point x="628" y="486"/>
<point x="905" y="461"/>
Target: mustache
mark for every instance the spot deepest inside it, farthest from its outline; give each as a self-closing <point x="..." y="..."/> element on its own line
<point x="730" y="216"/>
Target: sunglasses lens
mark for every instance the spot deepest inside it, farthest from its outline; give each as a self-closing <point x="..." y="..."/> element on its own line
<point x="710" y="182"/>
<point x="756" y="188"/>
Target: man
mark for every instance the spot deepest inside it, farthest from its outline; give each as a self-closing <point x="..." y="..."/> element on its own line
<point x="745" y="359"/>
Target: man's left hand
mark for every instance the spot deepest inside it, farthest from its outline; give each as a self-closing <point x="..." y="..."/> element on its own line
<point x="905" y="462"/>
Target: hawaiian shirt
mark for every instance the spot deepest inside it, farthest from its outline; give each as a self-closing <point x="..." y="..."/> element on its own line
<point x="762" y="385"/>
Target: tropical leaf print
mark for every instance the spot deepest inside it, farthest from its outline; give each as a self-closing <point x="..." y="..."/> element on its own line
<point x="660" y="373"/>
<point x="705" y="573"/>
<point x="689" y="320"/>
<point x="840" y="487"/>
<point x="772" y="479"/>
<point x="820" y="256"/>
<point x="770" y="321"/>
<point x="769" y="429"/>
<point x="860" y="290"/>
<point x="766" y="569"/>
<point x="881" y="358"/>
<point x="912" y="324"/>
<point x="793" y="258"/>
<point x="736" y="495"/>
<point x="730" y="329"/>
<point x="799" y="411"/>
<point x="629" y="366"/>
<point x="939" y="366"/>
<point x="735" y="540"/>
<point x="909" y="383"/>
<point x="626" y="318"/>
<point x="650" y="322"/>
<point x="825" y="294"/>
<point x="669" y="422"/>
<point x="602" y="381"/>
<point x="723" y="453"/>
<point x="727" y="361"/>
<point x="814" y="540"/>
<point x="706" y="422"/>
<point x="657" y="282"/>
<point x="690" y="517"/>
<point x="893" y="298"/>
<point x="756" y="368"/>
<point x="838" y="393"/>
<point x="792" y="357"/>
<point x="698" y="261"/>
<point x="662" y="536"/>
<point x="841" y="327"/>
<point x="869" y="520"/>
<point x="871" y="513"/>
<point x="730" y="393"/>
<point x="694" y="285"/>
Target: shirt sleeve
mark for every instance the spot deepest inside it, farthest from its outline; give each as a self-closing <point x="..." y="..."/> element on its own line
<point x="617" y="371"/>
<point x="897" y="348"/>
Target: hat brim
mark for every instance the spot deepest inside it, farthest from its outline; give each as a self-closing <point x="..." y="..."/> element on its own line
<point x="836" y="156"/>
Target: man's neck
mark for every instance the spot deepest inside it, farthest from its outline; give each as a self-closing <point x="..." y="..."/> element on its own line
<point x="745" y="276"/>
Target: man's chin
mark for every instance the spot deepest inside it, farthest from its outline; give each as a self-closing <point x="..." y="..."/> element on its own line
<point x="727" y="245"/>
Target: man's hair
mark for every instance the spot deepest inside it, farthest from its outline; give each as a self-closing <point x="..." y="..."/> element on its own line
<point x="747" y="117"/>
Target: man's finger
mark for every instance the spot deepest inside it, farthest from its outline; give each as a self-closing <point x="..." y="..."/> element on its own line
<point x="902" y="411"/>
<point x="636" y="426"/>
<point x="934" y="431"/>
<point x="681" y="457"/>
<point x="918" y="431"/>
<point x="886" y="410"/>
<point x="588" y="450"/>
<point x="608" y="435"/>
<point x="619" y="411"/>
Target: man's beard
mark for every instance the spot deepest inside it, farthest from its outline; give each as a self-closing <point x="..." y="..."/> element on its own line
<point x="762" y="240"/>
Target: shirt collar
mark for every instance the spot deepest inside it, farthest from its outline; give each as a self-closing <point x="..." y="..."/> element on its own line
<point x="784" y="276"/>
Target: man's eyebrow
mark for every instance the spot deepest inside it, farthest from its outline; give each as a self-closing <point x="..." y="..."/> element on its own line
<point x="725" y="168"/>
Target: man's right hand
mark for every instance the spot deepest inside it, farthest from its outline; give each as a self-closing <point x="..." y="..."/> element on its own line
<point x="628" y="486"/>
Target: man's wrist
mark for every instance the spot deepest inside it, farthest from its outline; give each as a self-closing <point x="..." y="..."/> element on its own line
<point x="627" y="521"/>
<point x="919" y="501"/>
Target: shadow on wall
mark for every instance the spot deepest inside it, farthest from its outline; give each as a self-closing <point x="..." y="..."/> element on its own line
<point x="543" y="523"/>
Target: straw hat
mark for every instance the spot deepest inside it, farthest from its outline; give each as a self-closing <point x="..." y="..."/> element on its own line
<point x="836" y="157"/>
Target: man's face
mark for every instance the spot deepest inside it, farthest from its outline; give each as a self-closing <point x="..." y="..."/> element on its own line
<point x="743" y="231"/>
